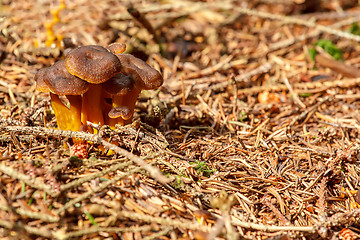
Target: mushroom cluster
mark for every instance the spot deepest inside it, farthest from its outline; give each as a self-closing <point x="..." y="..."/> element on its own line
<point x="96" y="84"/>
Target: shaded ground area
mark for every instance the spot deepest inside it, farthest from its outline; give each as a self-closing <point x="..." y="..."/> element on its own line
<point x="255" y="128"/>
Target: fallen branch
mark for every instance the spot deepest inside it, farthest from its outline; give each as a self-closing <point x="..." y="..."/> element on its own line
<point x="153" y="171"/>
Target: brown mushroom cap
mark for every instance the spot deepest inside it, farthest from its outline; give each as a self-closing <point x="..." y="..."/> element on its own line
<point x="120" y="84"/>
<point x="145" y="76"/>
<point x="92" y="63"/>
<point x="59" y="81"/>
<point x="41" y="86"/>
<point x="122" y="111"/>
<point x="117" y="48"/>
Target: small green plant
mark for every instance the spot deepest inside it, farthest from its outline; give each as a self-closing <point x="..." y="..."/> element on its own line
<point x="177" y="184"/>
<point x="202" y="168"/>
<point x="355" y="28"/>
<point x="329" y="47"/>
<point x="242" y="116"/>
<point x="305" y="94"/>
<point x="31" y="199"/>
<point x="91" y="218"/>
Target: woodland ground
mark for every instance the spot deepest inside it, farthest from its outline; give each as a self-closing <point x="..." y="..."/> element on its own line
<point x="247" y="129"/>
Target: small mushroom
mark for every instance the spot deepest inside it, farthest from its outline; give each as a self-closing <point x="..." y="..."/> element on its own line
<point x="95" y="65"/>
<point x="59" y="82"/>
<point x="143" y="77"/>
<point x="120" y="103"/>
<point x="123" y="94"/>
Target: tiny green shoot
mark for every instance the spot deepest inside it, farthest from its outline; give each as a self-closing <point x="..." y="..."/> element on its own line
<point x="177" y="183"/>
<point x="23" y="187"/>
<point x="305" y="94"/>
<point x="91" y="218"/>
<point x="31" y="199"/>
<point x="242" y="116"/>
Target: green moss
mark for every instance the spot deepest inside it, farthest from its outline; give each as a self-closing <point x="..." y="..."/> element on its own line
<point x="328" y="47"/>
<point x="355" y="28"/>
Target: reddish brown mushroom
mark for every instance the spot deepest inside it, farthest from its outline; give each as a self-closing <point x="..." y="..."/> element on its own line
<point x="143" y="77"/>
<point x="95" y="65"/>
<point x="118" y="89"/>
<point x="59" y="82"/>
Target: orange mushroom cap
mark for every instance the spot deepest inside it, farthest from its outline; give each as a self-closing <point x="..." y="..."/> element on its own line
<point x="92" y="63"/>
<point x="58" y="80"/>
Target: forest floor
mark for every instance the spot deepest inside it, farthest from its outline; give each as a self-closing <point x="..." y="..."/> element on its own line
<point x="255" y="130"/>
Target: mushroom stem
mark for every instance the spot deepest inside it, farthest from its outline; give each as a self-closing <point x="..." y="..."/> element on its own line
<point x="91" y="109"/>
<point x="67" y="118"/>
<point x="126" y="100"/>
